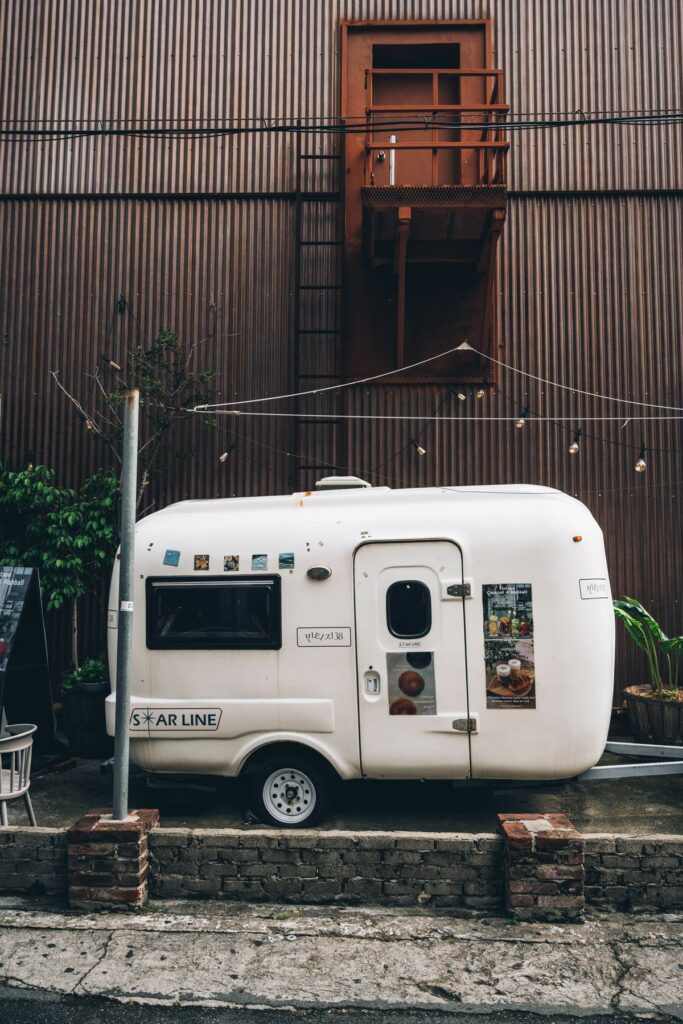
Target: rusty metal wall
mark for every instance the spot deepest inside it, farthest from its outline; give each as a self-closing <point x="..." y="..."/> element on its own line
<point x="202" y="60"/>
<point x="590" y="285"/>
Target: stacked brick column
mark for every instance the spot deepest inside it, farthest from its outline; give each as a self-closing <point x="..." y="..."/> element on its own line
<point x="109" y="860"/>
<point x="544" y="867"/>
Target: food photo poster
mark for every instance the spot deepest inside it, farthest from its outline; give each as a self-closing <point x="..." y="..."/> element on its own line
<point x="509" y="645"/>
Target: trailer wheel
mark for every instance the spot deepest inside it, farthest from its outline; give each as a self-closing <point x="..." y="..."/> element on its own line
<point x="289" y="792"/>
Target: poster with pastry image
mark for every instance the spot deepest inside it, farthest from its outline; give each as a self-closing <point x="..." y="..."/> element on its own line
<point x="509" y="645"/>
<point x="411" y="683"/>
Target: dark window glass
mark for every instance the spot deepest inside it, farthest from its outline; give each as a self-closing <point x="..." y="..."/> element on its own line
<point x="409" y="609"/>
<point x="237" y="614"/>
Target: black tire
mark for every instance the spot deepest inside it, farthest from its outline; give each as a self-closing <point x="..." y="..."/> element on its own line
<point x="305" y="786"/>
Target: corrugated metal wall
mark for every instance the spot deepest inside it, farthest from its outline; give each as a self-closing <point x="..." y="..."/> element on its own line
<point x="590" y="288"/>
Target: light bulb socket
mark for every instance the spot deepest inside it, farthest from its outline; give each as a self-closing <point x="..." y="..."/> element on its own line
<point x="522" y="418"/>
<point x="227" y="453"/>
<point x="641" y="464"/>
<point x="418" y="447"/>
<point x="574" y="446"/>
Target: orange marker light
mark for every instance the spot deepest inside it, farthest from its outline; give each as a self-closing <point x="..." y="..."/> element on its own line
<point x="577" y="539"/>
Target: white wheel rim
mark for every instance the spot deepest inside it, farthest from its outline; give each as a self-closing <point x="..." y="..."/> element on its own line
<point x="289" y="795"/>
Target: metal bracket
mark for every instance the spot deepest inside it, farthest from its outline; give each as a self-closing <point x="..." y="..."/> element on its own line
<point x="459" y="590"/>
<point x="651" y="768"/>
<point x="465" y="725"/>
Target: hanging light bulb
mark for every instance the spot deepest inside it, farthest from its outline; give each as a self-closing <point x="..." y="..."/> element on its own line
<point x="522" y="419"/>
<point x="641" y="464"/>
<point x="481" y="393"/>
<point x="574" y="446"/>
<point x="418" y="447"/>
<point x="226" y="455"/>
<point x="463" y="398"/>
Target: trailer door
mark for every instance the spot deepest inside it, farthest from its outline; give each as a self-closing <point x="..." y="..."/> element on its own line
<point x="410" y="649"/>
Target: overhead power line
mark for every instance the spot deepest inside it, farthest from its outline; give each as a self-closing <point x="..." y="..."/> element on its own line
<point x="334" y="126"/>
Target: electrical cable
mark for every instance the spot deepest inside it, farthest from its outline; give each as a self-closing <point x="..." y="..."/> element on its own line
<point x="335" y="128"/>
<point x="214" y="407"/>
<point x="305" y="118"/>
<point x="466" y="347"/>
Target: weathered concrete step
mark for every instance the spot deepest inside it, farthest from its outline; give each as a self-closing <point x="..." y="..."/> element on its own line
<point x="205" y="954"/>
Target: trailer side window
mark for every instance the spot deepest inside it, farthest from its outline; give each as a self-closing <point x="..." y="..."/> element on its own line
<point x="409" y="609"/>
<point x="239" y="614"/>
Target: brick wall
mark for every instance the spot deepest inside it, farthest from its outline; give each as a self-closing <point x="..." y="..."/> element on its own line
<point x="33" y="861"/>
<point x="399" y="868"/>
<point x="630" y="873"/>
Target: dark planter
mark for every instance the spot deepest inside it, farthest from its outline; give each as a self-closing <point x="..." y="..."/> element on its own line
<point x="84" y="721"/>
<point x="653" y="719"/>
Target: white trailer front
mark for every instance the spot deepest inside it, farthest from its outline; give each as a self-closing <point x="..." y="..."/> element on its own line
<point x="429" y="633"/>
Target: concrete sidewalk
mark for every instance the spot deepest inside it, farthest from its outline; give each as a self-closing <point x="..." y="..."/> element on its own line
<point x="272" y="957"/>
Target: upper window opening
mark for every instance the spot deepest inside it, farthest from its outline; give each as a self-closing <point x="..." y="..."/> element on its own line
<point x="416" y="55"/>
<point x="241" y="614"/>
<point x="409" y="609"/>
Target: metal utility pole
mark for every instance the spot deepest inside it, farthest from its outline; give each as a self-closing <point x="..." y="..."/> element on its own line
<point x="124" y="641"/>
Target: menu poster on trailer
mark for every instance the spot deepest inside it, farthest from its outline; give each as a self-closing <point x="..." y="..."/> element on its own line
<point x="412" y="687"/>
<point x="509" y="645"/>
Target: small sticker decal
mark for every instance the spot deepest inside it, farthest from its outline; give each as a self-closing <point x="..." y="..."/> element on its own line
<point x="231" y="563"/>
<point x="286" y="560"/>
<point x="171" y="557"/>
<point x="126" y="606"/>
<point x="323" y="636"/>
<point x="594" y="590"/>
<point x="259" y="561"/>
<point x="201" y="562"/>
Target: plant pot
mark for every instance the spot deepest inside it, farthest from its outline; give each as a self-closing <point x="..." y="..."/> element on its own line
<point x="84" y="721"/>
<point x="652" y="718"/>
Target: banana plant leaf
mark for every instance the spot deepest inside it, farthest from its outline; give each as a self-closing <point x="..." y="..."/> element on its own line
<point x="674" y="643"/>
<point x="633" y="627"/>
<point x="636" y="611"/>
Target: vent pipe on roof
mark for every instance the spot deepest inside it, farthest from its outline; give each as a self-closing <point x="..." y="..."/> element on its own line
<point x="340" y="483"/>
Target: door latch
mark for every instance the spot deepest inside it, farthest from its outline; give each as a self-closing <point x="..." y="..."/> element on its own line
<point x="465" y="725"/>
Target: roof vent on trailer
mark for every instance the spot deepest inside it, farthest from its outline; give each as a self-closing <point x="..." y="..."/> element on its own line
<point x="340" y="483"/>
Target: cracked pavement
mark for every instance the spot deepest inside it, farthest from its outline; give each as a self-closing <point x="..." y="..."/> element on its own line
<point x="270" y="957"/>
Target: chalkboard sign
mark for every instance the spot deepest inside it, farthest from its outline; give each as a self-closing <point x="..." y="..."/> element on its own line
<point x="25" y="694"/>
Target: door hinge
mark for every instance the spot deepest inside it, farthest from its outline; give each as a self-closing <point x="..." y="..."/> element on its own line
<point x="465" y="724"/>
<point x="459" y="590"/>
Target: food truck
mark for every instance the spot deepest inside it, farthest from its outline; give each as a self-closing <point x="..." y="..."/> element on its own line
<point x="363" y="632"/>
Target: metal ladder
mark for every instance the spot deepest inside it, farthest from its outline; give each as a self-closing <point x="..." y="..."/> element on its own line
<point x="317" y="313"/>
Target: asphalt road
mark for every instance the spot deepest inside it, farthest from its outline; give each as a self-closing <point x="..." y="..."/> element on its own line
<point x="101" y="1011"/>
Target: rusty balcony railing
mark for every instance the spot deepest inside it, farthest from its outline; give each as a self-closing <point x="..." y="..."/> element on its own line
<point x="452" y="154"/>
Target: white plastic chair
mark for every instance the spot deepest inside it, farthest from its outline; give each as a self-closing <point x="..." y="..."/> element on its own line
<point x="16" y="748"/>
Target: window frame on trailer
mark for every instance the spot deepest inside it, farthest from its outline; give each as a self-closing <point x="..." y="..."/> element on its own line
<point x="273" y="642"/>
<point x="391" y="626"/>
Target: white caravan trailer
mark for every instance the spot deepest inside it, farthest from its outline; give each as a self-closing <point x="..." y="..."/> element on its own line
<point x="362" y="632"/>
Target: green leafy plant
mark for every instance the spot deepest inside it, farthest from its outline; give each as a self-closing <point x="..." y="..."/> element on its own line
<point x="69" y="535"/>
<point x="91" y="672"/>
<point x="663" y="653"/>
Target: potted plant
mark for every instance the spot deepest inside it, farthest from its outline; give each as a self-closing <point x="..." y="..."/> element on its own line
<point x="655" y="709"/>
<point x="83" y="693"/>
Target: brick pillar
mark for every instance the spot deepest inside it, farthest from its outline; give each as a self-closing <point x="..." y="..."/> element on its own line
<point x="544" y="867"/>
<point x="108" y="860"/>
